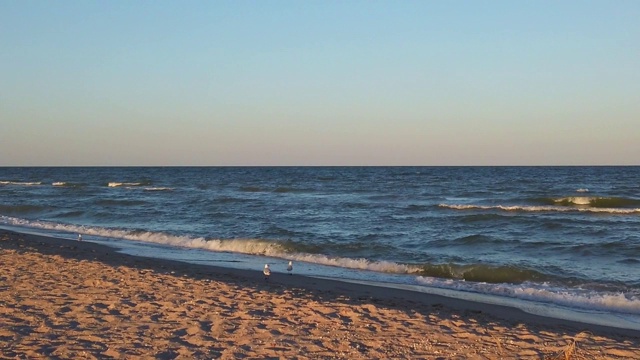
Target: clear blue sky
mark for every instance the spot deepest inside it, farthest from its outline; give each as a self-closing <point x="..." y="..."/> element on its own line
<point x="319" y="82"/>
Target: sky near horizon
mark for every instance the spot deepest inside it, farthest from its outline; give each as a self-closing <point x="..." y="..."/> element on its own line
<point x="319" y="83"/>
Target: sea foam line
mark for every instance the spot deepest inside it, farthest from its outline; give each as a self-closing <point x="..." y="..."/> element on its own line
<point x="540" y="208"/>
<point x="575" y="298"/>
<point x="66" y="184"/>
<point x="118" y="184"/>
<point x="259" y="247"/>
<point x="617" y="302"/>
<point x="22" y="183"/>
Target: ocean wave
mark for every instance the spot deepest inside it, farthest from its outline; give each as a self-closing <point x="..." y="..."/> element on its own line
<point x="483" y="273"/>
<point x="230" y="200"/>
<point x="158" y="189"/>
<point x="418" y="208"/>
<point x="630" y="261"/>
<point x="251" y="189"/>
<point x="66" y="184"/>
<point x="481" y="218"/>
<point x="358" y="264"/>
<point x="597" y="202"/>
<point x="288" y="250"/>
<point x="20" y="183"/>
<point x="36" y="183"/>
<point x="475" y="240"/>
<point x="128" y="184"/>
<point x="21" y="209"/>
<point x="70" y="214"/>
<point x="502" y="281"/>
<point x="547" y="208"/>
<point x="613" y="301"/>
<point x="262" y="247"/>
<point x="113" y="202"/>
<point x="277" y="190"/>
<point x="284" y="190"/>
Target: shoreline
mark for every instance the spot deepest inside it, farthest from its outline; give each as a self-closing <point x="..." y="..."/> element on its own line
<point x="206" y="311"/>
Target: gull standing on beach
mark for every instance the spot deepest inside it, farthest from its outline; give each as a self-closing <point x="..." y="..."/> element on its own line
<point x="266" y="272"/>
<point x="290" y="267"/>
<point x="79" y="237"/>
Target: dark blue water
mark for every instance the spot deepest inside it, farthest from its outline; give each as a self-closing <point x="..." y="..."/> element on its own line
<point x="564" y="236"/>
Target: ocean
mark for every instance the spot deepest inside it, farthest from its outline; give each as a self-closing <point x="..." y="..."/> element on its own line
<point x="556" y="241"/>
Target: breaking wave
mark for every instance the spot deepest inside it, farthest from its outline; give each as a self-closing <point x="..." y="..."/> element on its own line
<point x="66" y="184"/>
<point x="128" y="184"/>
<point x="598" y="202"/>
<point x="616" y="301"/>
<point x="506" y="281"/>
<point x="262" y="247"/>
<point x="36" y="183"/>
<point x="20" y="183"/>
<point x="484" y="273"/>
<point x="542" y="208"/>
<point x="299" y="252"/>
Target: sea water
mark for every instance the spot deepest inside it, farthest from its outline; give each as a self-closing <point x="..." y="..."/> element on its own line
<point x="558" y="241"/>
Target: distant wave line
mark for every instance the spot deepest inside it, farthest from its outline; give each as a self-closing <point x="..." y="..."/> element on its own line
<point x="118" y="184"/>
<point x="66" y="184"/>
<point x="598" y="201"/>
<point x="22" y="183"/>
<point x="547" y="208"/>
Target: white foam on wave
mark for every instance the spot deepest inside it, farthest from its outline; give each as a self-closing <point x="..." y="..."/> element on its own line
<point x="64" y="184"/>
<point x="547" y="208"/>
<point x="243" y="246"/>
<point x="20" y="183"/>
<point x="582" y="190"/>
<point x="246" y="246"/>
<point x="574" y="298"/>
<point x="118" y="184"/>
<point x="576" y="200"/>
<point x="358" y="264"/>
<point x="616" y="302"/>
<point x="158" y="189"/>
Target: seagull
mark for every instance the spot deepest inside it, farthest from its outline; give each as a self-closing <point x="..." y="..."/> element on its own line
<point x="266" y="272"/>
<point x="290" y="267"/>
<point x="79" y="237"/>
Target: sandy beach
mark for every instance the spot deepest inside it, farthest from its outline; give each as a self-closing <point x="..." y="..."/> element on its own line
<point x="69" y="299"/>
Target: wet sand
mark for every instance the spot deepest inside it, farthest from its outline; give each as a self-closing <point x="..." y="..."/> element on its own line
<point x="67" y="299"/>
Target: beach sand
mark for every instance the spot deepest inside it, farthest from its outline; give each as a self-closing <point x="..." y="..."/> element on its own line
<point x="69" y="299"/>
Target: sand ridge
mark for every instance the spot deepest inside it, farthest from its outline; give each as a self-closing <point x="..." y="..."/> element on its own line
<point x="67" y="299"/>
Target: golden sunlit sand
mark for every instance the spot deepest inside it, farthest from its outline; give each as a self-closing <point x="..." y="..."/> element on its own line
<point x="79" y="300"/>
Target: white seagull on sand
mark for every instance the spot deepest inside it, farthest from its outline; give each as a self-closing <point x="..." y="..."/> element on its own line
<point x="266" y="271"/>
<point x="79" y="237"/>
<point x="290" y="267"/>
